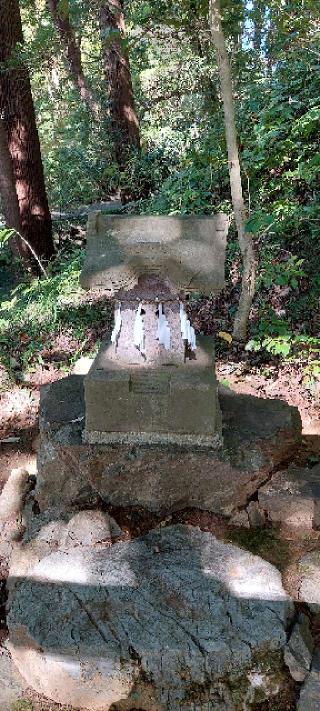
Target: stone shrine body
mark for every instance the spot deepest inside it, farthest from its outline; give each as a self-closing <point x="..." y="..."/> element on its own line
<point x="153" y="381"/>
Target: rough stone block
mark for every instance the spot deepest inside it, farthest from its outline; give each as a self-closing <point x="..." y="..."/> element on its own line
<point x="258" y="434"/>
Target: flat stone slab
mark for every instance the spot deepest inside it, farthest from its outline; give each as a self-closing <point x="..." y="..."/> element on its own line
<point x="292" y="498"/>
<point x="188" y="250"/>
<point x="191" y="619"/>
<point x="258" y="435"/>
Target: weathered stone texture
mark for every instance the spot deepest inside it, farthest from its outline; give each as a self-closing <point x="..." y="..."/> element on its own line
<point x="190" y="251"/>
<point x="309" y="699"/>
<point x="309" y="574"/>
<point x="177" y="609"/>
<point x="12" y="684"/>
<point x="299" y="650"/>
<point x="258" y="434"/>
<point x="157" y="403"/>
<point x="292" y="498"/>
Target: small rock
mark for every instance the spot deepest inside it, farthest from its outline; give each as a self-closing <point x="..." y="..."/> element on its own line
<point x="240" y="519"/>
<point x="13" y="494"/>
<point x="12" y="501"/>
<point x="87" y="528"/>
<point x="256" y="515"/>
<point x="292" y="497"/>
<point x="309" y="573"/>
<point x="298" y="651"/>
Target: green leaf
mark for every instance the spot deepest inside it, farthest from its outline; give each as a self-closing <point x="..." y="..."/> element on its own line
<point x="5" y="235"/>
<point x="258" y="222"/>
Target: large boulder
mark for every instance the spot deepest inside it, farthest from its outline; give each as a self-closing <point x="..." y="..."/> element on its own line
<point x="258" y="435"/>
<point x="173" y="620"/>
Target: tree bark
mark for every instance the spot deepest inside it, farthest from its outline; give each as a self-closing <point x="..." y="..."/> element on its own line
<point x="245" y="240"/>
<point x="124" y="120"/>
<point x="16" y="107"/>
<point x="61" y="19"/>
<point x="9" y="199"/>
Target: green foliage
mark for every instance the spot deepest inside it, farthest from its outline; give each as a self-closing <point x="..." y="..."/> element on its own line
<point x="276" y="269"/>
<point x="182" y="167"/>
<point x="5" y="235"/>
<point x="39" y="311"/>
<point x="264" y="542"/>
<point x="22" y="705"/>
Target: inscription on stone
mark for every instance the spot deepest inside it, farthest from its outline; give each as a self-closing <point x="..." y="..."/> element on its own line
<point x="148" y="384"/>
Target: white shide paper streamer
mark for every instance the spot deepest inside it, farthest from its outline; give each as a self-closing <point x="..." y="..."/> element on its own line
<point x="163" y="335"/>
<point x="138" y="330"/>
<point x="117" y="325"/>
<point x="187" y="331"/>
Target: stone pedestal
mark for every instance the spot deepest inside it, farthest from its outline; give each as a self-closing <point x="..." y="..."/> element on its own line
<point x="153" y="404"/>
<point x="160" y="478"/>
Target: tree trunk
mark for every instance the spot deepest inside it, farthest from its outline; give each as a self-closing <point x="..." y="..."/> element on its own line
<point x="245" y="240"/>
<point x="124" y="120"/>
<point x="61" y="19"/>
<point x="9" y="199"/>
<point x="16" y="107"/>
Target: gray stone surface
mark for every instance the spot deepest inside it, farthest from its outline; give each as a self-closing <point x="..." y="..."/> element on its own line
<point x="309" y="574"/>
<point x="309" y="699"/>
<point x="197" y="619"/>
<point x="190" y="251"/>
<point x="12" y="684"/>
<point x="256" y="515"/>
<point x="292" y="498"/>
<point x="86" y="528"/>
<point x="258" y="434"/>
<point x="240" y="519"/>
<point x="299" y="650"/>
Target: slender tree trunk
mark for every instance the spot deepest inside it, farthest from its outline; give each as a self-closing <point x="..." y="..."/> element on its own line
<point x="61" y="19"/>
<point x="245" y="241"/>
<point x="124" y="120"/>
<point x="9" y="199"/>
<point x="16" y="107"/>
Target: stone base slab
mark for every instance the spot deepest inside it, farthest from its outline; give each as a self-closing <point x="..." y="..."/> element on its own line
<point x="149" y="438"/>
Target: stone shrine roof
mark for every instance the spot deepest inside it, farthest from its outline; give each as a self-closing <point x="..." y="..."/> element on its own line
<point x="187" y="250"/>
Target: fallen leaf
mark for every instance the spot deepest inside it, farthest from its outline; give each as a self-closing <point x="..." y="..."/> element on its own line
<point x="225" y="336"/>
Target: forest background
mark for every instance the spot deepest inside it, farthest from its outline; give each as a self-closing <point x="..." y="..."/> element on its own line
<point x="128" y="107"/>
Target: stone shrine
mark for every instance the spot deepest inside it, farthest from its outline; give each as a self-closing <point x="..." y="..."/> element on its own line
<point x="137" y="612"/>
<point x="153" y="382"/>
